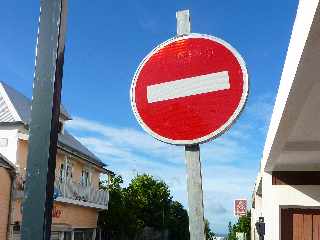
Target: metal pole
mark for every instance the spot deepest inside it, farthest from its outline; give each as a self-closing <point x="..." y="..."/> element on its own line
<point x="194" y="177"/>
<point x="195" y="194"/>
<point x="45" y="110"/>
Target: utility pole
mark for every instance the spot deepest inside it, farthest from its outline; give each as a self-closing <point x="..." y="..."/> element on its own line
<point x="43" y="128"/>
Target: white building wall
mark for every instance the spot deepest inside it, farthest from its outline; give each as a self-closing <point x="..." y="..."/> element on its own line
<point x="256" y="212"/>
<point x="9" y="150"/>
<point x="285" y="196"/>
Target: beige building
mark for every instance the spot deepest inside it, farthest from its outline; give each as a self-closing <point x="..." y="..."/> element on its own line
<point x="77" y="196"/>
<point x="287" y="190"/>
<point x="7" y="175"/>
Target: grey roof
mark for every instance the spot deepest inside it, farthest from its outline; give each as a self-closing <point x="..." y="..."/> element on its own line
<point x="22" y="105"/>
<point x="71" y="143"/>
<point x="5" y="114"/>
<point x="4" y="162"/>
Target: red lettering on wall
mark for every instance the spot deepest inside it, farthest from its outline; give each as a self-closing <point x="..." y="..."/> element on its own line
<point x="56" y="213"/>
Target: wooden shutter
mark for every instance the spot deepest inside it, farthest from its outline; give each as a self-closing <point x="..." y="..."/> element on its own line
<point x="300" y="224"/>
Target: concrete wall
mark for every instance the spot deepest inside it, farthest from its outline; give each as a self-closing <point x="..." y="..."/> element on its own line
<point x="277" y="196"/>
<point x="5" y="188"/>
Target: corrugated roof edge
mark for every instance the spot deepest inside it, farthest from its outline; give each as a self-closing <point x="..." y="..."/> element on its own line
<point x="6" y="163"/>
<point x="17" y="98"/>
<point x="79" y="154"/>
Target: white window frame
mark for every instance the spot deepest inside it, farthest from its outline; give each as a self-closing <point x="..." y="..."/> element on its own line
<point x="86" y="180"/>
<point x="66" y="173"/>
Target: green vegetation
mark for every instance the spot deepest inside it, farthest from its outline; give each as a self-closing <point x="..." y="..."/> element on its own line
<point x="145" y="203"/>
<point x="243" y="225"/>
<point x="207" y="230"/>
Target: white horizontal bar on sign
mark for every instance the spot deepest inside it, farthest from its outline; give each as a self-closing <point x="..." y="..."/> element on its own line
<point x="188" y="86"/>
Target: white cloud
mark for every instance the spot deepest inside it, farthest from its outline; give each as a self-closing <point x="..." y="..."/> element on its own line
<point x="261" y="110"/>
<point x="129" y="151"/>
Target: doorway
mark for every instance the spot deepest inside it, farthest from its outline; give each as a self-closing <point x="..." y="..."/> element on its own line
<point x="300" y="224"/>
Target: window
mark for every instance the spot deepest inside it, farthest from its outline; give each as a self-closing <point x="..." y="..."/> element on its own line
<point x="85" y="234"/>
<point x="67" y="236"/>
<point x="66" y="169"/>
<point x="61" y="175"/>
<point x="3" y="142"/>
<point x="69" y="171"/>
<point x="16" y="227"/>
<point x="85" y="177"/>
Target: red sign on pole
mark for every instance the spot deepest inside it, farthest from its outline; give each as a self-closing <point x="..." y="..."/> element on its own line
<point x="240" y="207"/>
<point x="189" y="89"/>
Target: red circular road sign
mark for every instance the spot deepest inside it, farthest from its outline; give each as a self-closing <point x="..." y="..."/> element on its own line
<point x="189" y="89"/>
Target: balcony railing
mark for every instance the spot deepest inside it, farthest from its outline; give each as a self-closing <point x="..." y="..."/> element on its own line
<point x="71" y="191"/>
<point x="78" y="192"/>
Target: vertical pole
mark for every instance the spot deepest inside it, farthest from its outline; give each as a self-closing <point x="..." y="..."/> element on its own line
<point x="45" y="110"/>
<point x="195" y="194"/>
<point x="183" y="22"/>
<point x="194" y="177"/>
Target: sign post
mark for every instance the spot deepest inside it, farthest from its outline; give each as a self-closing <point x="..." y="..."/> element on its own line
<point x="195" y="194"/>
<point x="43" y="135"/>
<point x="192" y="152"/>
<point x="186" y="91"/>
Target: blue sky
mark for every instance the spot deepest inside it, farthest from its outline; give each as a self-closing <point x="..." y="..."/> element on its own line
<point x="106" y="40"/>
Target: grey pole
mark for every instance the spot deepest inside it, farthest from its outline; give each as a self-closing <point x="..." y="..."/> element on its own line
<point x="45" y="110"/>
<point x="195" y="194"/>
<point x="194" y="177"/>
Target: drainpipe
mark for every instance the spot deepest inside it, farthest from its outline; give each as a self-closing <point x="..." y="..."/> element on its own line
<point x="12" y="178"/>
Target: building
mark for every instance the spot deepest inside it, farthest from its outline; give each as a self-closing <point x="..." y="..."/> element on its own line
<point x="287" y="189"/>
<point x="78" y="198"/>
<point x="7" y="176"/>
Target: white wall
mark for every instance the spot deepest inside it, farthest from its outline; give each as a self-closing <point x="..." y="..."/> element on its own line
<point x="10" y="151"/>
<point x="277" y="196"/>
<point x="256" y="212"/>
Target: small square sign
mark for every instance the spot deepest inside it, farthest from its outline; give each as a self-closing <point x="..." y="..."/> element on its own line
<point x="240" y="207"/>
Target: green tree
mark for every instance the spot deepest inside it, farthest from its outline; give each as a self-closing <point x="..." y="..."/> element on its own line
<point x="231" y="232"/>
<point x="146" y="202"/>
<point x="113" y="219"/>
<point x="207" y="230"/>
<point x="150" y="200"/>
<point x="243" y="225"/>
<point x="178" y="222"/>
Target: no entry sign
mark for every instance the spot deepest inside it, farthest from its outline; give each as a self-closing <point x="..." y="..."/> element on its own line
<point x="189" y="89"/>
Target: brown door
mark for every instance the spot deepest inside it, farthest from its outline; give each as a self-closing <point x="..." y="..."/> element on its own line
<point x="300" y="224"/>
<point x="316" y="226"/>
